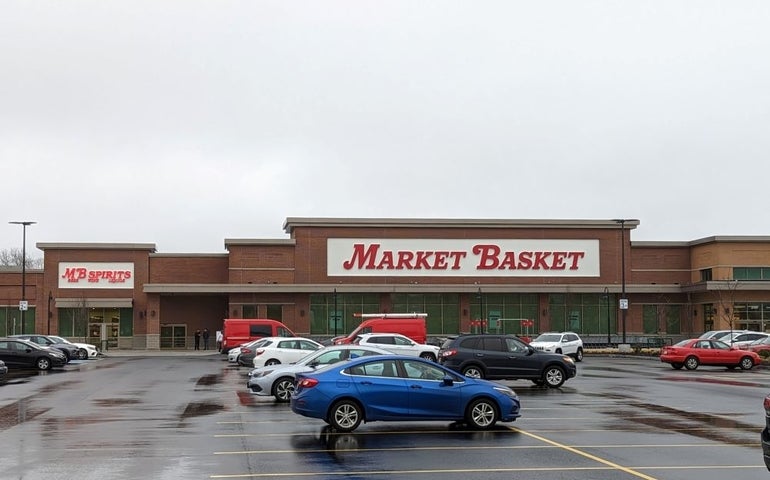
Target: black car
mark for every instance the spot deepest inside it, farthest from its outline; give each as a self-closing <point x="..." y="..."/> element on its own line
<point x="18" y="353"/>
<point x="505" y="357"/>
<point x="765" y="436"/>
<point x="69" y="350"/>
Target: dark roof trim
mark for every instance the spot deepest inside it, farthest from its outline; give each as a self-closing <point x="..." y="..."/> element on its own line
<point x="96" y="246"/>
<point x="260" y="241"/>
<point x="294" y="222"/>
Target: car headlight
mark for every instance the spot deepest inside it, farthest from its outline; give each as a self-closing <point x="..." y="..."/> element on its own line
<point x="506" y="391"/>
<point x="568" y="359"/>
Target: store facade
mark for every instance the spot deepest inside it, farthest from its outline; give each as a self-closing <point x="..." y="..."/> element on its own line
<point x="513" y="276"/>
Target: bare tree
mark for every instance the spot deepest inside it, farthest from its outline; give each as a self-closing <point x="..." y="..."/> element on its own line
<point x="12" y="258"/>
<point x="726" y="301"/>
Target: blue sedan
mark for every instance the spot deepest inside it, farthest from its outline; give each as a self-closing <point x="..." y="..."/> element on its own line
<point x="399" y="388"/>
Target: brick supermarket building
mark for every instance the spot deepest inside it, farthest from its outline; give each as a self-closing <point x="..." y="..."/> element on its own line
<point x="561" y="274"/>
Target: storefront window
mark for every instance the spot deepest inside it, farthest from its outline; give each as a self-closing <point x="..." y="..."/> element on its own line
<point x="10" y="321"/>
<point x="585" y="313"/>
<point x="507" y="310"/>
<point x="324" y="321"/>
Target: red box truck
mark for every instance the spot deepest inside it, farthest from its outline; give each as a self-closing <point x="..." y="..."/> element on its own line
<point x="411" y="325"/>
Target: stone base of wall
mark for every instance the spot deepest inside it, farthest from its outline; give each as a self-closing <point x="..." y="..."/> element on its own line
<point x="143" y="342"/>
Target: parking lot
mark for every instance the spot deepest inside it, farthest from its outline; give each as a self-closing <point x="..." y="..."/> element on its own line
<point x="192" y="417"/>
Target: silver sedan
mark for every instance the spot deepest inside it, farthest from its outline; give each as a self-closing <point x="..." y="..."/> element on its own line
<point x="278" y="380"/>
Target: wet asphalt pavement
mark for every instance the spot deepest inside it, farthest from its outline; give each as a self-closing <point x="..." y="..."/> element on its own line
<point x="175" y="417"/>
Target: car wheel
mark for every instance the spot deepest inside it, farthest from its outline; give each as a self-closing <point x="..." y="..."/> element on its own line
<point x="677" y="365"/>
<point x="282" y="389"/>
<point x="272" y="361"/>
<point x="691" y="363"/>
<point x="481" y="413"/>
<point x="43" y="363"/>
<point x="473" y="372"/>
<point x="554" y="376"/>
<point x="345" y="416"/>
<point x="82" y="354"/>
<point x="747" y="363"/>
<point x="428" y="356"/>
<point x="579" y="355"/>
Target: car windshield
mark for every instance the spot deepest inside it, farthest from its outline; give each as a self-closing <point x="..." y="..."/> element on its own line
<point x="548" y="337"/>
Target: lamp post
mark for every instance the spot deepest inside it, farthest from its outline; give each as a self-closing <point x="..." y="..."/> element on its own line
<point x="606" y="297"/>
<point x="335" y="311"/>
<point x="23" y="303"/>
<point x="623" y="299"/>
<point x="481" y="311"/>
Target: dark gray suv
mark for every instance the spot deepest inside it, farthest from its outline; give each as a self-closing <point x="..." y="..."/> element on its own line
<point x="505" y="357"/>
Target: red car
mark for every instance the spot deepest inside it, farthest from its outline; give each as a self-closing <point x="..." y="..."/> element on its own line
<point x="697" y="351"/>
<point x="759" y="345"/>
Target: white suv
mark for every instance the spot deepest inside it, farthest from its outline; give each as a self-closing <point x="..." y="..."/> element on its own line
<point x="568" y="343"/>
<point x="399" y="344"/>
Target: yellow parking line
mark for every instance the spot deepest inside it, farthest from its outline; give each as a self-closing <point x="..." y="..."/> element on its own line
<point x="485" y="448"/>
<point x="409" y="472"/>
<point x="584" y="454"/>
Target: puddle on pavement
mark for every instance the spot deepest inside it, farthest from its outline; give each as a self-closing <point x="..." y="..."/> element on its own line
<point x="659" y="418"/>
<point x="19" y="412"/>
<point x="208" y="380"/>
<point x="198" y="409"/>
<point x="115" y="402"/>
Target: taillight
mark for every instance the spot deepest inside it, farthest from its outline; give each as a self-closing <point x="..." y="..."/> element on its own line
<point x="766" y="404"/>
<point x="308" y="383"/>
<point x="448" y="353"/>
<point x="259" y="351"/>
<point x="245" y="350"/>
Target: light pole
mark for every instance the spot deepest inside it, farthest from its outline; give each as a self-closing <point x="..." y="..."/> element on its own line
<point x="607" y="298"/>
<point x="623" y="300"/>
<point x="335" y="311"/>
<point x="23" y="303"/>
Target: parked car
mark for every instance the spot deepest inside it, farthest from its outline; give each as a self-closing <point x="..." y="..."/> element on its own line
<point x="498" y="357"/>
<point x="759" y="346"/>
<point x="765" y="435"/>
<point x="277" y="350"/>
<point x="85" y="350"/>
<point x="278" y="380"/>
<point x="720" y="334"/>
<point x="400" y="344"/>
<point x="70" y="351"/>
<point x="18" y="353"/>
<point x="568" y="343"/>
<point x="234" y="354"/>
<point x="398" y="388"/>
<point x="745" y="339"/>
<point x="697" y="351"/>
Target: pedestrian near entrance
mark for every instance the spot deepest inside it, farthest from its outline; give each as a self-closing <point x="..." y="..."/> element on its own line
<point x="205" y="338"/>
<point x="220" y="337"/>
<point x="197" y="339"/>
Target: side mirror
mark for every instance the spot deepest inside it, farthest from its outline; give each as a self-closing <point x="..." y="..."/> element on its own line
<point x="448" y="380"/>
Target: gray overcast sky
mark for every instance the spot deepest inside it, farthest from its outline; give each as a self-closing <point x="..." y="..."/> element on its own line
<point x="182" y="122"/>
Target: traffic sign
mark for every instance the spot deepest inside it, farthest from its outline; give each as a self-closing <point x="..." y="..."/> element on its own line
<point x="624" y="304"/>
<point x="23" y="305"/>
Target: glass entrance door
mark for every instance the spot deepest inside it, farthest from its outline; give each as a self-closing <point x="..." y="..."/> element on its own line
<point x="173" y="336"/>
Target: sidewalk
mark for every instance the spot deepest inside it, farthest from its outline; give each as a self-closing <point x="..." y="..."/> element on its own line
<point x="161" y="353"/>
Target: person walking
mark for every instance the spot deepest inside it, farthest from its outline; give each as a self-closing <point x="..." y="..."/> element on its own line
<point x="197" y="339"/>
<point x="205" y="338"/>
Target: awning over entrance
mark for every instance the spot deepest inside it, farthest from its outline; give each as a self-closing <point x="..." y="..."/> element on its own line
<point x="94" y="303"/>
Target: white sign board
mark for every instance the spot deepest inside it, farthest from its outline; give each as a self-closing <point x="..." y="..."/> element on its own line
<point x="412" y="257"/>
<point x="23" y="305"/>
<point x="624" y="304"/>
<point x="96" y="275"/>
